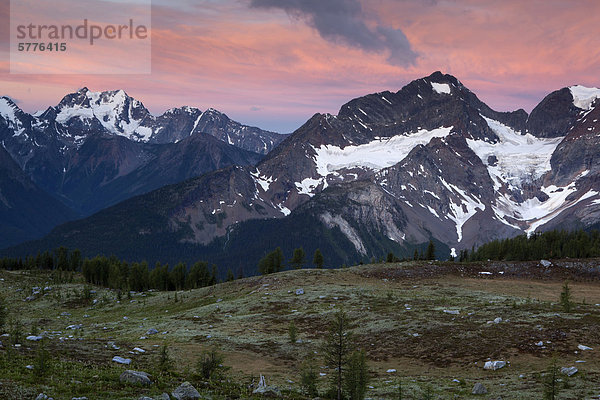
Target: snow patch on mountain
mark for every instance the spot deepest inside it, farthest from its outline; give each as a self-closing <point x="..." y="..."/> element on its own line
<point x="284" y="210"/>
<point x="441" y="88"/>
<point x="263" y="181"/>
<point x="308" y="185"/>
<point x="535" y="212"/>
<point x="462" y="211"/>
<point x="77" y="111"/>
<point x="376" y="155"/>
<point x="516" y="158"/>
<point x="556" y="206"/>
<point x="583" y="97"/>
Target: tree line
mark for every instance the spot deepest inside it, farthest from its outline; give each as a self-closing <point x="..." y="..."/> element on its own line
<point x="274" y="261"/>
<point x="551" y="244"/>
<point x="114" y="273"/>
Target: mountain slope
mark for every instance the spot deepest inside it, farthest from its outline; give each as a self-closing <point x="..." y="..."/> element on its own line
<point x="26" y="212"/>
<point x="107" y="170"/>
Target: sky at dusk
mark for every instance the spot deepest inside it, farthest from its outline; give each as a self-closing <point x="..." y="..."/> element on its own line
<point x="274" y="63"/>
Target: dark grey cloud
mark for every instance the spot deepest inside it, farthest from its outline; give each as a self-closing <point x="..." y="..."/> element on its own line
<point x="342" y="21"/>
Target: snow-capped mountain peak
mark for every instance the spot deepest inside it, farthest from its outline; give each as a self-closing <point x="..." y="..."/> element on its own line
<point x="584" y="97"/>
<point x="9" y="111"/>
<point x="118" y="113"/>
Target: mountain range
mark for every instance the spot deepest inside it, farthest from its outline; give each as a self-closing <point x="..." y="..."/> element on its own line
<point x="95" y="149"/>
<point x="389" y="172"/>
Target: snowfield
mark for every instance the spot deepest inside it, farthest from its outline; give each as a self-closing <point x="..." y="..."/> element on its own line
<point x="521" y="158"/>
<point x="376" y="155"/>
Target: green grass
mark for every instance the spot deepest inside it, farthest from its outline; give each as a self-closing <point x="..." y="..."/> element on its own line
<point x="399" y="321"/>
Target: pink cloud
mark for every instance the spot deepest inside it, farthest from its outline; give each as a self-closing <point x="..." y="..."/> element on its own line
<point x="260" y="67"/>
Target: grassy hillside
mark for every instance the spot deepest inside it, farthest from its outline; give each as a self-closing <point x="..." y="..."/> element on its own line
<point x="429" y="326"/>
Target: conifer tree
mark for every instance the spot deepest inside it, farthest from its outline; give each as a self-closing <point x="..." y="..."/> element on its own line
<point x="298" y="258"/>
<point x="337" y="349"/>
<point x="230" y="276"/>
<point x="430" y="253"/>
<point x="318" y="259"/>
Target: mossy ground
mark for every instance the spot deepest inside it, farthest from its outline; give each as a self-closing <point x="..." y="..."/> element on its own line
<point x="398" y="311"/>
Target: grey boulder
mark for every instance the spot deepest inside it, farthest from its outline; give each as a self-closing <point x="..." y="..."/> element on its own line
<point x="569" y="371"/>
<point x="479" y="389"/>
<point x="135" y="377"/>
<point x="186" y="391"/>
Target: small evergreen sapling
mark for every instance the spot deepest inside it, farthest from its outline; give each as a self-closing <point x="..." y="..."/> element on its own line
<point x="308" y="378"/>
<point x="293" y="332"/>
<point x="318" y="259"/>
<point x="566" y="298"/>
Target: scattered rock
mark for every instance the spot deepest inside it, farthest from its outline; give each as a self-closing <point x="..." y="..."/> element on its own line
<point x="122" y="360"/>
<point x="43" y="396"/>
<point x="569" y="371"/>
<point x="498" y="320"/>
<point x="494" y="365"/>
<point x="453" y="312"/>
<point x="545" y="263"/>
<point x="29" y="366"/>
<point x="34" y="338"/>
<point x="135" y="377"/>
<point x="29" y="298"/>
<point x="186" y="391"/>
<point x="75" y="326"/>
<point x="539" y="344"/>
<point x="479" y="389"/>
<point x="151" y="331"/>
<point x="391" y="370"/>
<point x="139" y="350"/>
<point x="583" y="348"/>
<point x="267" y="391"/>
<point x="299" y="291"/>
<point x="79" y="398"/>
<point x="163" y="396"/>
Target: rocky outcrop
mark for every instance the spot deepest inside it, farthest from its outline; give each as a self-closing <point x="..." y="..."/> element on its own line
<point x="554" y="116"/>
